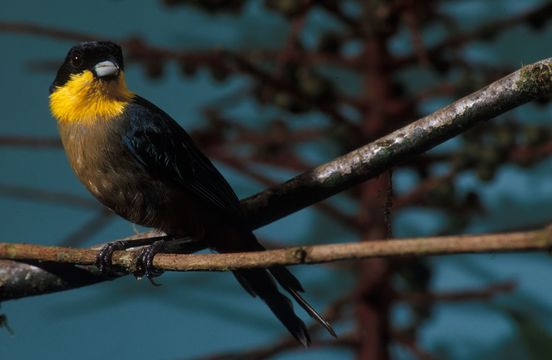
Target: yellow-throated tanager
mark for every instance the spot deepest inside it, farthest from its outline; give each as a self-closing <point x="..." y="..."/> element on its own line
<point x="136" y="160"/>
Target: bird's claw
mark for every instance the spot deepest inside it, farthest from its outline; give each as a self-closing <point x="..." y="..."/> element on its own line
<point x="144" y="262"/>
<point x="103" y="259"/>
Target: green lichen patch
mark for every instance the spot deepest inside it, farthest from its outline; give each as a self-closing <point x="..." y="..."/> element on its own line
<point x="63" y="257"/>
<point x="11" y="251"/>
<point x="536" y="79"/>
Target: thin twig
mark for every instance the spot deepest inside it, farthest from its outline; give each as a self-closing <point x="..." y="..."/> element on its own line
<point x="484" y="32"/>
<point x="287" y="343"/>
<point x="22" y="192"/>
<point x="29" y="141"/>
<point x="537" y="240"/>
<point x="88" y="229"/>
<point x="485" y="293"/>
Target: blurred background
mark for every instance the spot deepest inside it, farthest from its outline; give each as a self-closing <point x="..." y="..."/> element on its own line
<point x="269" y="89"/>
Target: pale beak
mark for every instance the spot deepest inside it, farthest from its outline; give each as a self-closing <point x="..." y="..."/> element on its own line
<point x="106" y="69"/>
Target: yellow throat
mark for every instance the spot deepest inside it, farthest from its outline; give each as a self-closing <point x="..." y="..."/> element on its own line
<point x="86" y="99"/>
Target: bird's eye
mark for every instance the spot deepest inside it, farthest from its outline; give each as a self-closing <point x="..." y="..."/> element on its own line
<point x="76" y="60"/>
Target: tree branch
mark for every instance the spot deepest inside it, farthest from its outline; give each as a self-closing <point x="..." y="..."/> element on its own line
<point x="538" y="240"/>
<point x="530" y="82"/>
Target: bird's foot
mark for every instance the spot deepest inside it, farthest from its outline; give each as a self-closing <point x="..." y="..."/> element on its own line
<point x="144" y="262"/>
<point x="105" y="254"/>
<point x="103" y="259"/>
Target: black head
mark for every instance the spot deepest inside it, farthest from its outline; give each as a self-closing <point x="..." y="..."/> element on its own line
<point x="103" y="58"/>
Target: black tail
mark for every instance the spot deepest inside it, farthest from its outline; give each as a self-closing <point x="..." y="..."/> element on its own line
<point x="292" y="285"/>
<point x="260" y="282"/>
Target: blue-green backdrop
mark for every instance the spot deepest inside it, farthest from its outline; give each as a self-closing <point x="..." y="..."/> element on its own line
<point x="200" y="313"/>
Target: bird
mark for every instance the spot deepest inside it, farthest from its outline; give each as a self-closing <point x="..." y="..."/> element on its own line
<point x="140" y="163"/>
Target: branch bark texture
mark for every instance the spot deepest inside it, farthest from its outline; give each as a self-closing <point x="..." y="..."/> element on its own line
<point x="538" y="240"/>
<point x="528" y="83"/>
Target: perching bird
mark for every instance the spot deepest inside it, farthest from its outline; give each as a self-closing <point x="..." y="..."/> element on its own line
<point x="136" y="160"/>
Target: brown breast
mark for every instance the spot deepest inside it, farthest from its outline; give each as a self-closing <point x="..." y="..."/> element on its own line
<point x="104" y="165"/>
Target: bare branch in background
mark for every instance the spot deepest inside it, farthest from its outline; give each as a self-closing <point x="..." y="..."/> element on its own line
<point x="29" y="142"/>
<point x="61" y="198"/>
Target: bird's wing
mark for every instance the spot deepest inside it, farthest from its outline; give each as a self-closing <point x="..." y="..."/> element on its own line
<point x="166" y="151"/>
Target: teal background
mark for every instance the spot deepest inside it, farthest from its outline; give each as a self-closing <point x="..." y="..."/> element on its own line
<point x="195" y="314"/>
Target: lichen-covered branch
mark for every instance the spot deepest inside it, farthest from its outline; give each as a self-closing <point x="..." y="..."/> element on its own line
<point x="529" y="83"/>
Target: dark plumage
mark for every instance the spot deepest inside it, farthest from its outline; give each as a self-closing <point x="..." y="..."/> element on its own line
<point x="136" y="160"/>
